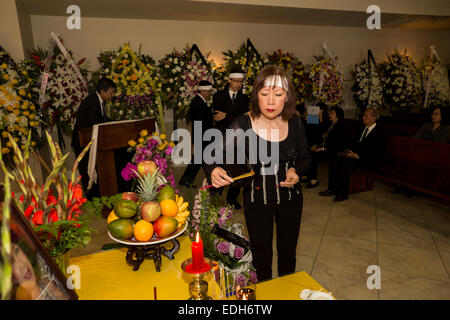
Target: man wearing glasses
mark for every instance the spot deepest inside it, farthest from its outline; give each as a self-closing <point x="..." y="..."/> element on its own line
<point x="227" y="105"/>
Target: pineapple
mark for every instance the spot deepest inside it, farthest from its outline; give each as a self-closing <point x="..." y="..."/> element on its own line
<point x="147" y="185"/>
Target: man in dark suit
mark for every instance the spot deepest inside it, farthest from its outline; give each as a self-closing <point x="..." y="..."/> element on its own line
<point x="91" y="111"/>
<point x="199" y="112"/>
<point x="366" y="153"/>
<point x="227" y="105"/>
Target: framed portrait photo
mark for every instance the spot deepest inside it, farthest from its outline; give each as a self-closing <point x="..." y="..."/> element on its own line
<point x="35" y="275"/>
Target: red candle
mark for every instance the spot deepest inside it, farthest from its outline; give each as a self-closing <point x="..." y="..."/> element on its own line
<point x="197" y="254"/>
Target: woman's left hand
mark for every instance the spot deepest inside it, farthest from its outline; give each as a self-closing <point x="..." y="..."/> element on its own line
<point x="291" y="178"/>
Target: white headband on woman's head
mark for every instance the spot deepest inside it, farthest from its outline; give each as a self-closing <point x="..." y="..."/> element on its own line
<point x="277" y="81"/>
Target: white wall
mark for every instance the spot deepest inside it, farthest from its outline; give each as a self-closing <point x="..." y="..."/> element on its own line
<point x="10" y="35"/>
<point x="158" y="37"/>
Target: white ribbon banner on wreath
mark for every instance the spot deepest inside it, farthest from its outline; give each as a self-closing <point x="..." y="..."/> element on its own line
<point x="54" y="39"/>
<point x="433" y="52"/>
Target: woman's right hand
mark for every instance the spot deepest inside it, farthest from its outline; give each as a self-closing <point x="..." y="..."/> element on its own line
<point x="219" y="178"/>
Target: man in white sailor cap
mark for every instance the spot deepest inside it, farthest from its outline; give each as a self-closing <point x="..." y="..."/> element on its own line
<point x="198" y="111"/>
<point x="227" y="105"/>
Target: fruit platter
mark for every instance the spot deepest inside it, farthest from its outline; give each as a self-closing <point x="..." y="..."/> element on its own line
<point x="146" y="219"/>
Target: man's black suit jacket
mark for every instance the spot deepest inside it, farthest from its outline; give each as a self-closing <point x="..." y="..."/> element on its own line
<point x="199" y="111"/>
<point x="222" y="102"/>
<point x="370" y="150"/>
<point x="89" y="113"/>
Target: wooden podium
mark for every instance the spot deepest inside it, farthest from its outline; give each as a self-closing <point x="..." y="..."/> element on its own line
<point x="110" y="137"/>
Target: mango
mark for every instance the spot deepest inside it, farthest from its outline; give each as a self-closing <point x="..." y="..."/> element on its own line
<point x="121" y="228"/>
<point x="166" y="192"/>
<point x="125" y="209"/>
<point x="165" y="226"/>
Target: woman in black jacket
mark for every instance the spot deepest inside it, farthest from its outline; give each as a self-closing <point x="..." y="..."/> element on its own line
<point x="336" y="139"/>
<point x="314" y="134"/>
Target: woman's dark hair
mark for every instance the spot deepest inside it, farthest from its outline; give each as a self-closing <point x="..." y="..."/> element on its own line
<point x="258" y="84"/>
<point x="325" y="116"/>
<point x="339" y="112"/>
<point x="104" y="84"/>
<point x="445" y="121"/>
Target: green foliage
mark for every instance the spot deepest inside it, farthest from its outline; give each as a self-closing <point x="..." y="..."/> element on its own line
<point x="95" y="206"/>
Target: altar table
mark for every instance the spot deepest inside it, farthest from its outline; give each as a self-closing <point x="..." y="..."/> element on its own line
<point x="106" y="276"/>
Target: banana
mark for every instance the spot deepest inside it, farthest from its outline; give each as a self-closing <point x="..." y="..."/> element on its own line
<point x="183" y="214"/>
<point x="180" y="220"/>
<point x="183" y="206"/>
<point x="176" y="198"/>
<point x="180" y="201"/>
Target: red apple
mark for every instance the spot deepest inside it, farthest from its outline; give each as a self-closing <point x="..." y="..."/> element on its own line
<point x="150" y="211"/>
<point x="130" y="196"/>
<point x="145" y="167"/>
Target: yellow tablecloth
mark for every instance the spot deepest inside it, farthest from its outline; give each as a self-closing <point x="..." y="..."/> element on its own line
<point x="107" y="276"/>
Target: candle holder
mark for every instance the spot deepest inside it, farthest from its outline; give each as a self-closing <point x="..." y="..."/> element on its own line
<point x="198" y="287"/>
<point x="247" y="293"/>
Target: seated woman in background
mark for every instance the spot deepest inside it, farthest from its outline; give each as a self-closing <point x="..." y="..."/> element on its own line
<point x="438" y="129"/>
<point x="314" y="134"/>
<point x="336" y="139"/>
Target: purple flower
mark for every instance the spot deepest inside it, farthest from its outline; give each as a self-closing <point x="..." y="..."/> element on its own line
<point x="241" y="280"/>
<point x="238" y="252"/>
<point x="168" y="151"/>
<point x="221" y="221"/>
<point x="223" y="247"/>
<point x="253" y="277"/>
<point x="127" y="172"/>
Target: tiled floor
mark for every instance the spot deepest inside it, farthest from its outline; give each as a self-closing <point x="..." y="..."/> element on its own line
<point x="408" y="238"/>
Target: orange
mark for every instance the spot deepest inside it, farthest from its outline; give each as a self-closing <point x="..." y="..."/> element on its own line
<point x="169" y="207"/>
<point x="143" y="230"/>
<point x="111" y="217"/>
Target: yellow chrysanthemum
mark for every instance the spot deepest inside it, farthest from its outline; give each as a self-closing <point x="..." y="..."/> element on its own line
<point x="22" y="147"/>
<point x="24" y="72"/>
<point x="6" y="76"/>
<point x="172" y="144"/>
<point x="32" y="107"/>
<point x="5" y="150"/>
<point x="33" y="143"/>
<point x="144" y="133"/>
<point x="141" y="140"/>
<point x="31" y="116"/>
<point x="155" y="134"/>
<point x="4" y="66"/>
<point x="131" y="143"/>
<point x="16" y="112"/>
<point x="8" y="144"/>
<point x="163" y="136"/>
<point x="5" y="134"/>
<point x="22" y="92"/>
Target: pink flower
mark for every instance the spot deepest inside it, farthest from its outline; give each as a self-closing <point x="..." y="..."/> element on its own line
<point x="238" y="252"/>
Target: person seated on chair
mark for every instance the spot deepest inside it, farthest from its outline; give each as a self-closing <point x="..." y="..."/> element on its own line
<point x="366" y="154"/>
<point x="314" y="134"/>
<point x="336" y="139"/>
<point x="199" y="112"/>
<point x="438" y="129"/>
